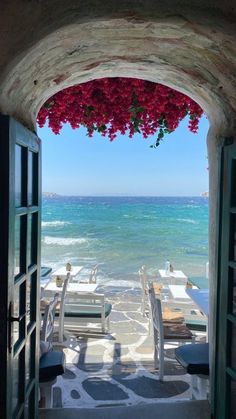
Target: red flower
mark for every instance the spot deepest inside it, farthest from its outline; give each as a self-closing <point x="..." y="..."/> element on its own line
<point x="113" y="105"/>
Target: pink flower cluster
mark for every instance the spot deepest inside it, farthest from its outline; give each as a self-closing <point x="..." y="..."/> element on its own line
<point x="124" y="105"/>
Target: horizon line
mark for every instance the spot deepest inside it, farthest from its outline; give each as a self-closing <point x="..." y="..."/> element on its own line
<point x="54" y="194"/>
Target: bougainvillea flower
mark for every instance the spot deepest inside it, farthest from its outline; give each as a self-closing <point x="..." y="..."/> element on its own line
<point x="125" y="105"/>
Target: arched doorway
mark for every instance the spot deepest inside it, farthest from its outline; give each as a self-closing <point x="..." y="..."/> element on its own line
<point x="188" y="50"/>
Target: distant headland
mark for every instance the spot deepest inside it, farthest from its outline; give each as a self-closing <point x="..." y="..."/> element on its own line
<point x="50" y="195"/>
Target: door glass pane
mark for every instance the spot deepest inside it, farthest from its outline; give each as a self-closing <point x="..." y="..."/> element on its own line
<point x="233" y="400"/>
<point x="18" y="311"/>
<point x="32" y="239"/>
<point x="233" y="174"/>
<point x="232" y="245"/>
<point x="29" y="358"/>
<point x="20" y="239"/>
<point x="33" y="303"/>
<point x="28" y="301"/>
<point x="234" y="292"/>
<point x="18" y="191"/>
<point x="29" y="241"/>
<point x="18" y="383"/>
<point x="15" y="382"/>
<point x="233" y="346"/>
<point x="30" y="178"/>
<point x="29" y="404"/>
<point x="31" y="298"/>
<point x="17" y="246"/>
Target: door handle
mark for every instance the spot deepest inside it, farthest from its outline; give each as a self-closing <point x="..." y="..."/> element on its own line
<point x="11" y="320"/>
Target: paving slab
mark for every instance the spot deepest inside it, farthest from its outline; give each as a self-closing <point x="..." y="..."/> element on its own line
<point x="103" y="390"/>
<point x="118" y="367"/>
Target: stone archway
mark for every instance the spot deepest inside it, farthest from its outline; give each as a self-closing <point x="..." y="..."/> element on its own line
<point x="189" y="49"/>
<point x="47" y="47"/>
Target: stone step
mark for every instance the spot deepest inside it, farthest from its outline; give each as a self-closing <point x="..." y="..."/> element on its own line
<point x="194" y="409"/>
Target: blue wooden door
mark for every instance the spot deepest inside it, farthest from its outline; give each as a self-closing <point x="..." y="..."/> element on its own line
<point x="20" y="203"/>
<point x="225" y="365"/>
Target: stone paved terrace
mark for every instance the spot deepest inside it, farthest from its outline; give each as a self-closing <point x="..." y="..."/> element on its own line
<point x="117" y="368"/>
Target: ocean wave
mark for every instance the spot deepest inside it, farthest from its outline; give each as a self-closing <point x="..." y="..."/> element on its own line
<point x="54" y="223"/>
<point x="63" y="241"/>
<point x="187" y="220"/>
<point x="119" y="283"/>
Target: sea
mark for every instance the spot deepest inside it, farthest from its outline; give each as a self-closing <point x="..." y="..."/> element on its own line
<point x="123" y="233"/>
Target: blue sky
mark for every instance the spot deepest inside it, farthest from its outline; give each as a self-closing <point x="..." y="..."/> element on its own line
<point x="74" y="164"/>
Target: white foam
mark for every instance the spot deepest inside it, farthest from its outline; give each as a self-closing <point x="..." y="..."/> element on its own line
<point x="54" y="223"/>
<point x="187" y="220"/>
<point x="63" y="241"/>
<point x="119" y="283"/>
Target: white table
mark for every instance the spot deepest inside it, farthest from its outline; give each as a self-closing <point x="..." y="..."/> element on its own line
<point x="173" y="277"/>
<point x="62" y="272"/>
<point x="180" y="299"/>
<point x="178" y="292"/>
<point x="200" y="298"/>
<point x="51" y="287"/>
<point x="87" y="288"/>
<point x="175" y="274"/>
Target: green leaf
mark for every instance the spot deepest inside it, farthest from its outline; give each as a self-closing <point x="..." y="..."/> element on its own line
<point x="157" y="143"/>
<point x="139" y="109"/>
<point x="101" y="128"/>
<point x="48" y="105"/>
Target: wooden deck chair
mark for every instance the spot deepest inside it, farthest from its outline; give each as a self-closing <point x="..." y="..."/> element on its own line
<point x="61" y="312"/>
<point x="144" y="289"/>
<point x="79" y="309"/>
<point x="93" y="275"/>
<point x="164" y="332"/>
<point x="145" y="304"/>
<point x="51" y="363"/>
<point x="48" y="319"/>
<point x="92" y="278"/>
<point x="82" y="310"/>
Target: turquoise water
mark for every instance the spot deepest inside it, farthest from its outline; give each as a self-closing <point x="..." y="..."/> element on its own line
<point x="123" y="233"/>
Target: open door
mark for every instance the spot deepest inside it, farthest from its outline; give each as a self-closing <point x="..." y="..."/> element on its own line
<point x="20" y="205"/>
<point x="225" y="368"/>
